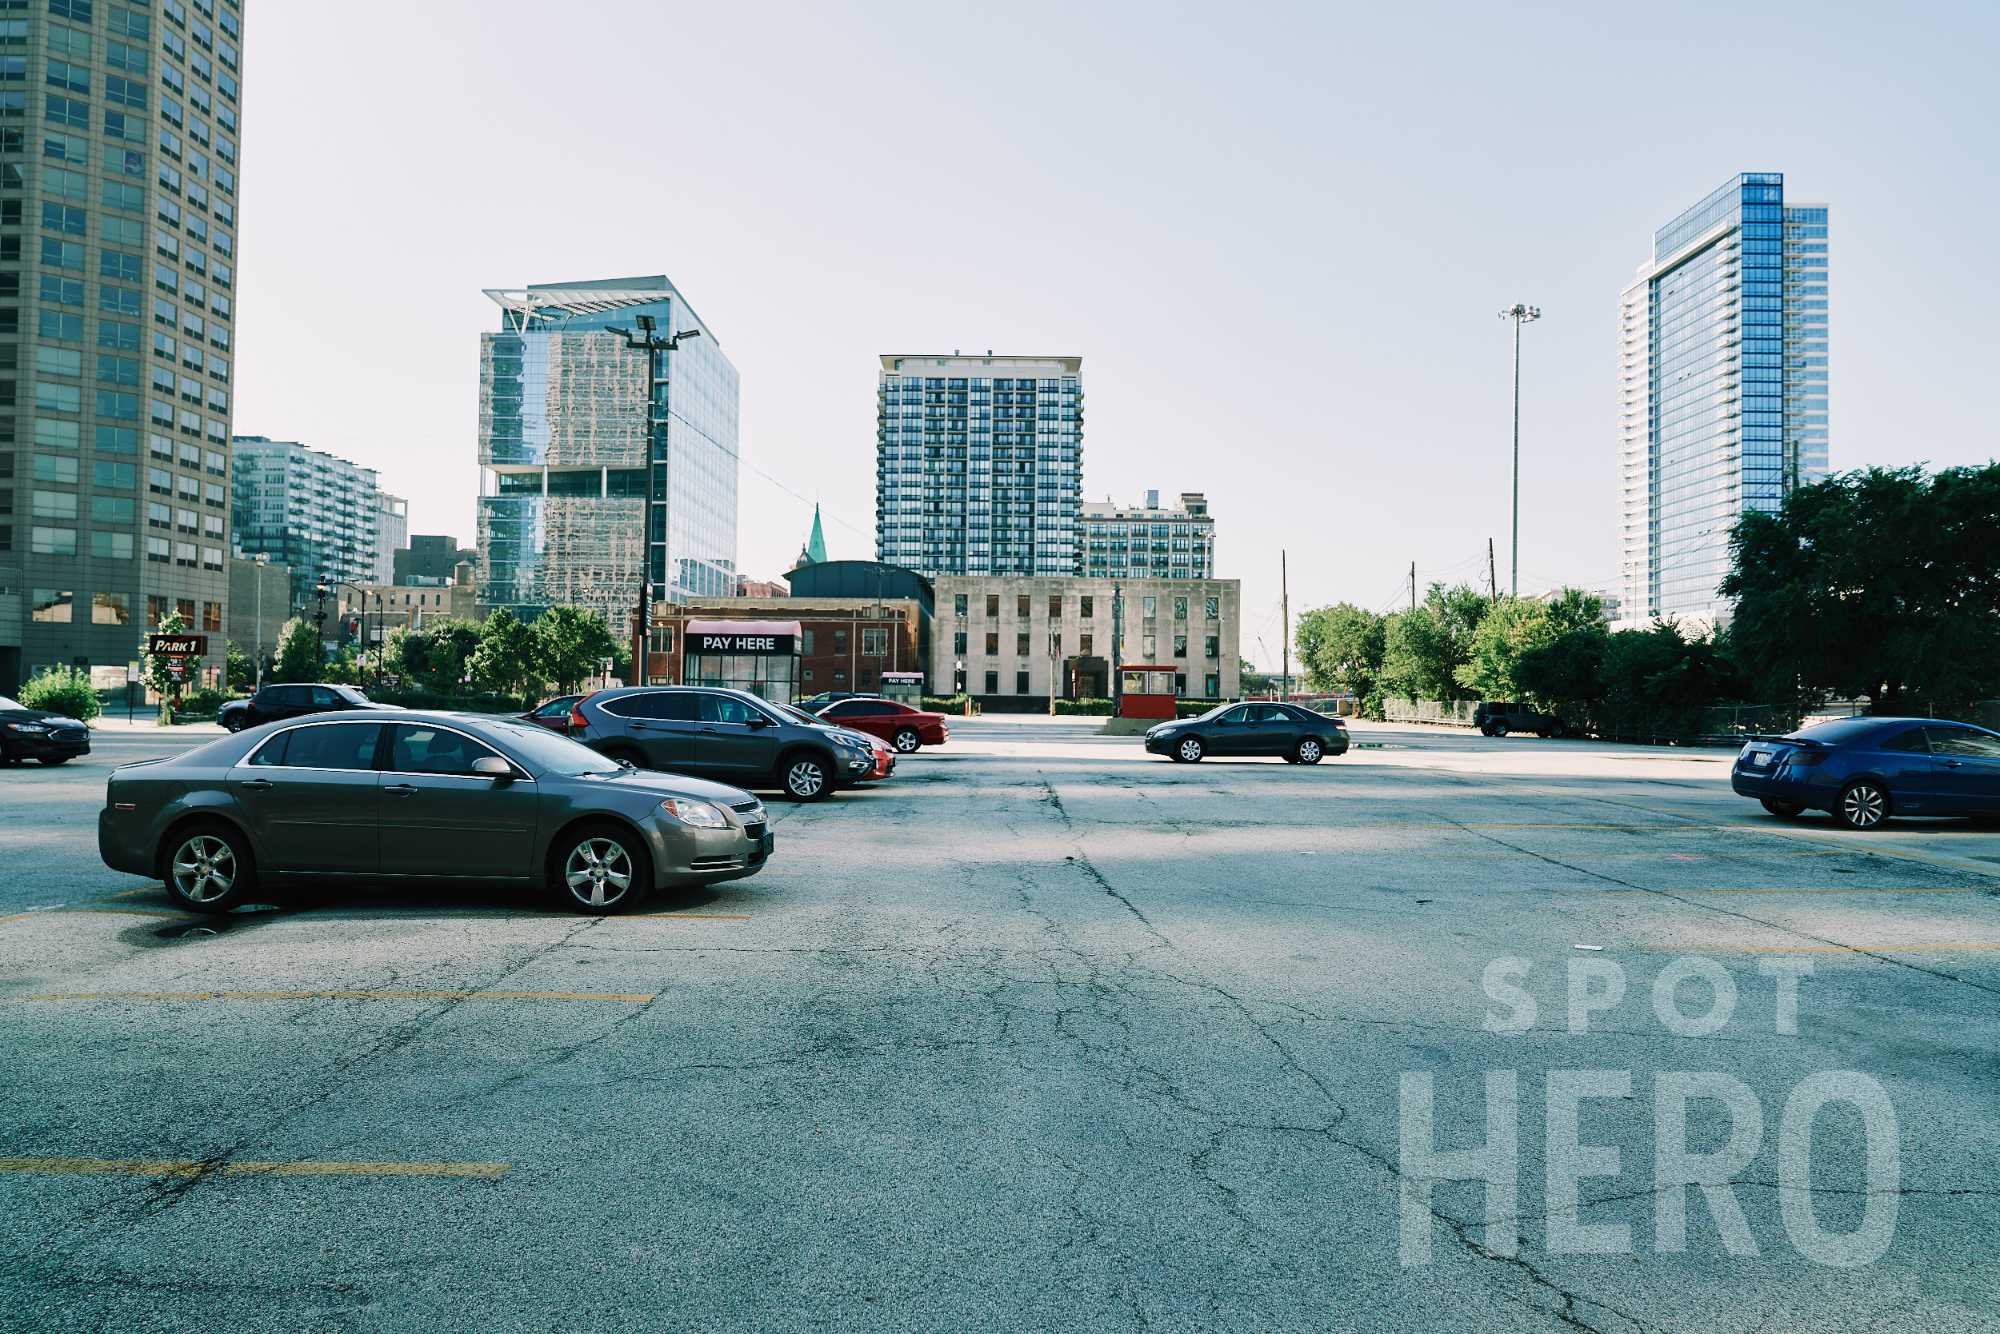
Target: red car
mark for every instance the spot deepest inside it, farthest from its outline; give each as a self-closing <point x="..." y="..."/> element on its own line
<point x="900" y="725"/>
<point x="554" y="715"/>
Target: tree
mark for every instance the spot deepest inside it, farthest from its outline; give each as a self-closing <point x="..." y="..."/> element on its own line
<point x="1340" y="649"/>
<point x="437" y="655"/>
<point x="505" y="656"/>
<point x="1515" y="627"/>
<point x="299" y="651"/>
<point x="1882" y="582"/>
<point x="570" y="644"/>
<point x="157" y="669"/>
<point x="240" y="671"/>
<point x="1423" y="649"/>
<point x="63" y="690"/>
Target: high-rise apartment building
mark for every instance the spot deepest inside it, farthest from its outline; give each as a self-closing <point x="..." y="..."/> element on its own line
<point x="978" y="464"/>
<point x="307" y="509"/>
<point x="1149" y="541"/>
<point x="119" y="126"/>
<point x="1722" y="389"/>
<point x="392" y="534"/>
<point x="563" y="452"/>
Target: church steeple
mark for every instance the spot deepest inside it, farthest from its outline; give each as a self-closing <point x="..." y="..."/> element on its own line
<point x="814" y="551"/>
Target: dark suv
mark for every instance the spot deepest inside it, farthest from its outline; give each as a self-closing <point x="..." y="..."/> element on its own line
<point x="275" y="702"/>
<point x="730" y="736"/>
<point x="1495" y="718"/>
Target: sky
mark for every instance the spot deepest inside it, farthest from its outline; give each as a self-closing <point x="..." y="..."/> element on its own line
<point x="1278" y="236"/>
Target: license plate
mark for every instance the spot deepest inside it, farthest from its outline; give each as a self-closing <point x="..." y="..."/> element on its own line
<point x="1762" y="759"/>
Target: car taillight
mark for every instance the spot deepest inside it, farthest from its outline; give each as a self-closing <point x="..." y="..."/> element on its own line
<point x="1806" y="759"/>
<point x="577" y="722"/>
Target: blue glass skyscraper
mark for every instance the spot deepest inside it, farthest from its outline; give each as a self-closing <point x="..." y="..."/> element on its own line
<point x="564" y="456"/>
<point x="1722" y="390"/>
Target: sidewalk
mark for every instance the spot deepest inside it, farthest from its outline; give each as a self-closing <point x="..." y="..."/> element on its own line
<point x="147" y="720"/>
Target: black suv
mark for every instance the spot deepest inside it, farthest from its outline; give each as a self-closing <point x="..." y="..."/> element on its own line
<point x="1494" y="718"/>
<point x="274" y="702"/>
<point x="730" y="736"/>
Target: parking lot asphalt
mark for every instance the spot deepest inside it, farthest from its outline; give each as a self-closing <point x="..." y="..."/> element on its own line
<point x="1042" y="1033"/>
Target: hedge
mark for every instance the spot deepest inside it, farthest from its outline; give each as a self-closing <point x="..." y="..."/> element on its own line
<point x="1087" y="708"/>
<point x="63" y="690"/>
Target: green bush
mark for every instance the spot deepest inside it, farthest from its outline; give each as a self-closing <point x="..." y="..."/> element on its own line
<point x="429" y="699"/>
<point x="947" y="704"/>
<point x="1193" y="708"/>
<point x="203" y="703"/>
<point x="1088" y="708"/>
<point x="63" y="690"/>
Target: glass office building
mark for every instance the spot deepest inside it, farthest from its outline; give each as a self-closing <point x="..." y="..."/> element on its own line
<point x="564" y="452"/>
<point x="1723" y="389"/>
<point x="318" y="514"/>
<point x="979" y="464"/>
<point x="119" y="125"/>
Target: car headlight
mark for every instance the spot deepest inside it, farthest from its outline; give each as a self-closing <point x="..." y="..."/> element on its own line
<point x="697" y="813"/>
<point x="26" y="727"/>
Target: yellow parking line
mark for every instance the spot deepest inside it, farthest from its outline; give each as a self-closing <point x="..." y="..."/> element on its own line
<point x="1872" y="947"/>
<point x="632" y="998"/>
<point x="147" y="1167"/>
<point x="131" y="893"/>
<point x="134" y="912"/>
<point x="683" y="917"/>
<point x="17" y="917"/>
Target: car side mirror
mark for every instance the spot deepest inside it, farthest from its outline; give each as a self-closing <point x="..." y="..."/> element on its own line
<point x="492" y="766"/>
<point x="759" y="720"/>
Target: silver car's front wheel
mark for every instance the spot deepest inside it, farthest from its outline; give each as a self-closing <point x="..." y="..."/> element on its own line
<point x="208" y="870"/>
<point x="600" y="873"/>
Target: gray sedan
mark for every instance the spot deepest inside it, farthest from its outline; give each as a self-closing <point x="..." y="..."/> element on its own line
<point x="407" y="795"/>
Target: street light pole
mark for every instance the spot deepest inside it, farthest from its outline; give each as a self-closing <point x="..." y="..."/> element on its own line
<point x="652" y="344"/>
<point x="1521" y="315"/>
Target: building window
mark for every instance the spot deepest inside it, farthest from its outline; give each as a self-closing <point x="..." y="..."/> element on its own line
<point x="1055" y="606"/>
<point x="840" y="641"/>
<point x="110" y="609"/>
<point x="1212" y="686"/>
<point x="992" y="683"/>
<point x="806" y="642"/>
<point x="1151" y="646"/>
<point x="1020" y="683"/>
<point x="1180" y="609"/>
<point x="1152" y="605"/>
<point x="1086" y="645"/>
<point x="51" y="606"/>
<point x="1021" y="644"/>
<point x="1180" y="646"/>
<point x="661" y="640"/>
<point x="992" y="643"/>
<point x="1055" y="644"/>
<point x="875" y="642"/>
<point x="958" y="643"/>
<point x="993" y="607"/>
<point x="211" y="617"/>
<point x="958" y="601"/>
<point x="1180" y="683"/>
<point x="1021" y="604"/>
<point x="1212" y="606"/>
<point x="1088" y="605"/>
<point x="1211" y="647"/>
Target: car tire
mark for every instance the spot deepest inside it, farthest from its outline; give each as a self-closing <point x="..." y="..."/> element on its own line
<point x="1863" y="805"/>
<point x="907" y="741"/>
<point x="591" y="862"/>
<point x="805" y="776"/>
<point x="208" y="868"/>
<point x="1499" y="729"/>
<point x="53" y="760"/>
<point x="1188" y="750"/>
<point x="1784" y="810"/>
<point x="1309" y="751"/>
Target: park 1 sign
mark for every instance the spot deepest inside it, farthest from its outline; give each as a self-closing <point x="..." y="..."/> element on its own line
<point x="177" y="646"/>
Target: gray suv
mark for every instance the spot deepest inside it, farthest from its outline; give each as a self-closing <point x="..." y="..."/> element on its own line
<point x="730" y="736"/>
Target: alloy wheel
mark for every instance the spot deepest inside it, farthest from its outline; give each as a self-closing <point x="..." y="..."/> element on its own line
<point x="598" y="871"/>
<point x="1309" y="751"/>
<point x="907" y="741"/>
<point x="1190" y="750"/>
<point x="805" y="779"/>
<point x="1863" y="806"/>
<point x="204" y="869"/>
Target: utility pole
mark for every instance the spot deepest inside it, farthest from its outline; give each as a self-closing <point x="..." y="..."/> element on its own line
<point x="1285" y="606"/>
<point x="1521" y="315"/>
<point x="1413" y="585"/>
<point x="1492" y="578"/>
<point x="652" y="344"/>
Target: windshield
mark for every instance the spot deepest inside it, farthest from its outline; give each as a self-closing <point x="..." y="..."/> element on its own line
<point x="791" y="714"/>
<point x="6" y="703"/>
<point x="543" y="749"/>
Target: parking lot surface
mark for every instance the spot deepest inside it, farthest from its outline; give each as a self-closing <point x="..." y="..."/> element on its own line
<point x="1041" y="1033"/>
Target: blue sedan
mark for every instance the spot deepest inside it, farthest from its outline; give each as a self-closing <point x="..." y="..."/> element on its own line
<point x="1864" y="770"/>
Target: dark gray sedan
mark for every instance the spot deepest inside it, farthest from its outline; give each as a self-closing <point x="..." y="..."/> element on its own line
<point x="408" y="795"/>
<point x="1298" y="735"/>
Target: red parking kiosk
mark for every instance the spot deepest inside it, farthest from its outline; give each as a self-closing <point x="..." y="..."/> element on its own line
<point x="1145" y="691"/>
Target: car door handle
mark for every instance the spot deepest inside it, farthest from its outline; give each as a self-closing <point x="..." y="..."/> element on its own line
<point x="257" y="785"/>
<point x="399" y="790"/>
<point x="1954" y="764"/>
